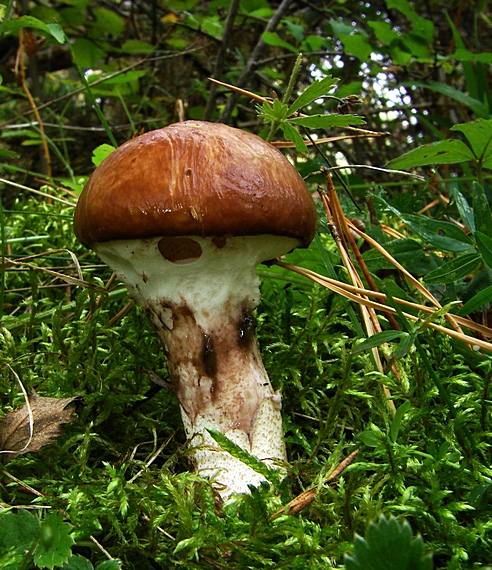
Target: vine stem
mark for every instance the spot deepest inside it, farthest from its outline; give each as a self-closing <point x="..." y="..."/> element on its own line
<point x="285" y="99"/>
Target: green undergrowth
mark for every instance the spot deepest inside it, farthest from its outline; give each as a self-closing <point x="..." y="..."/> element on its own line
<point x="119" y="477"/>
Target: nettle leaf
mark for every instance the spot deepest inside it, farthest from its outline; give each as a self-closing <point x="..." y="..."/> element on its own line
<point x="484" y="245"/>
<point x="479" y="135"/>
<point x="388" y="544"/>
<point x="313" y="92"/>
<point x="441" y="152"/>
<point x="327" y="121"/>
<point x="55" y="542"/>
<point x="453" y="270"/>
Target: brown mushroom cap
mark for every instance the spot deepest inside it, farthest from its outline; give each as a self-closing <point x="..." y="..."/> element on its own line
<point x="194" y="178"/>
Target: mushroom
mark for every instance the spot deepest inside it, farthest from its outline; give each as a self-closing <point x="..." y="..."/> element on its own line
<point x="183" y="215"/>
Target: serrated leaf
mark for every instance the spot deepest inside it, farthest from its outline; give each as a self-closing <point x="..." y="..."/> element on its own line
<point x="388" y="544"/>
<point x="484" y="245"/>
<point x="313" y="92"/>
<point x="277" y="111"/>
<point x="55" y="544"/>
<point x="327" y="121"/>
<point x="77" y="563"/>
<point x="28" y="428"/>
<point x="441" y="152"/>
<point x="291" y="134"/>
<point x="19" y="530"/>
<point x="454" y="269"/>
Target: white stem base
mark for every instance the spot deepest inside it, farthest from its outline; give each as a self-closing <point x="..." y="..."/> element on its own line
<point x="200" y="294"/>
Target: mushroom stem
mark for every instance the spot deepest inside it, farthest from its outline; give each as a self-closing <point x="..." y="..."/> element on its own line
<point x="199" y="294"/>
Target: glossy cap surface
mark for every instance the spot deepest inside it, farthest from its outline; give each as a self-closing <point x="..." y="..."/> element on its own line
<point x="194" y="178"/>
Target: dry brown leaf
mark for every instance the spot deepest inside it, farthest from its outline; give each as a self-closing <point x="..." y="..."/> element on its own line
<point x="32" y="426"/>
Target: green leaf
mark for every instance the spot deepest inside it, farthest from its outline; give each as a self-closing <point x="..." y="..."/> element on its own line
<point x="101" y="152"/>
<point x="453" y="270"/>
<point x="462" y="54"/>
<point x="425" y="28"/>
<point x="437" y="233"/>
<point x="327" y="121"/>
<point x="479" y="135"/>
<point x="441" y="152"/>
<point x="477" y="302"/>
<point x="77" y="563"/>
<point x="19" y="530"/>
<point x="405" y="345"/>
<point x="53" y="30"/>
<point x="395" y="424"/>
<point x="481" y="210"/>
<point x="452" y="93"/>
<point x="370" y="438"/>
<point x="357" y="45"/>
<point x="313" y="92"/>
<point x="388" y="544"/>
<point x="275" y="112"/>
<point x="384" y="32"/>
<point x="55" y="544"/>
<point x="273" y="39"/>
<point x="464" y="209"/>
<point x="484" y="245"/>
<point x="406" y="251"/>
<point x="239" y="453"/>
<point x="109" y="565"/>
<point x="137" y="46"/>
<point x="292" y="135"/>
<point x="378" y="339"/>
<point x="107" y="22"/>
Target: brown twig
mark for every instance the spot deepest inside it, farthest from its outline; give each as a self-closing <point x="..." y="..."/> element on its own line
<point x="21" y="74"/>
<point x="307" y="497"/>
